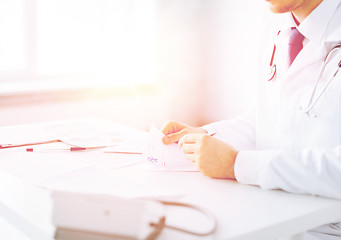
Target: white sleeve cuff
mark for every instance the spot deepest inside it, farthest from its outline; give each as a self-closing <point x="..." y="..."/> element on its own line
<point x="251" y="167"/>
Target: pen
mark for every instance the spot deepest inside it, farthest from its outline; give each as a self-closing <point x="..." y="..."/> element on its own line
<point x="71" y="149"/>
<point x="74" y="149"/>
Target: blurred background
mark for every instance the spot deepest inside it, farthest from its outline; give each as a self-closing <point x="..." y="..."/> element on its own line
<point x="136" y="62"/>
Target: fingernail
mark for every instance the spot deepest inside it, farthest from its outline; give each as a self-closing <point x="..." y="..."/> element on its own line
<point x="165" y="140"/>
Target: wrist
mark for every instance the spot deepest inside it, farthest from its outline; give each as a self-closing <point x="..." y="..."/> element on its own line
<point x="234" y="157"/>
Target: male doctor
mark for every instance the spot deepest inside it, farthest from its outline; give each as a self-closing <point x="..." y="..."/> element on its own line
<point x="292" y="140"/>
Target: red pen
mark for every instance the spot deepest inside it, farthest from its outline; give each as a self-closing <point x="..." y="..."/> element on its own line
<point x="71" y="149"/>
<point x="75" y="149"/>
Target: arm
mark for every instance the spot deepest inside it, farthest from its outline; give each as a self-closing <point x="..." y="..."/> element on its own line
<point x="239" y="132"/>
<point x="311" y="171"/>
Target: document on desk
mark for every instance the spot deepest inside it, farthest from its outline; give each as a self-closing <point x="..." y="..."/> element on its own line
<point x="161" y="157"/>
<point x="23" y="135"/>
<point x="87" y="133"/>
<point x="54" y="166"/>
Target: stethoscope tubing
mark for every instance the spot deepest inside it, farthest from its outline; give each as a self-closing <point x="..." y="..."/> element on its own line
<point x="312" y="102"/>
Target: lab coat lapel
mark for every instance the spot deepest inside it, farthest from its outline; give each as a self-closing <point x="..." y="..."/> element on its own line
<point x="314" y="52"/>
<point x="308" y="56"/>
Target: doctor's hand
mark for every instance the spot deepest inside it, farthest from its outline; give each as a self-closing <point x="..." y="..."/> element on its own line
<point x="174" y="131"/>
<point x="213" y="157"/>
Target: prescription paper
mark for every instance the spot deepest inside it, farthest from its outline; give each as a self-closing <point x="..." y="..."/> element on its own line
<point x="161" y="157"/>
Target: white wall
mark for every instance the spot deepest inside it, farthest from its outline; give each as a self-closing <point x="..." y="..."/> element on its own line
<point x="206" y="65"/>
<point x="208" y="52"/>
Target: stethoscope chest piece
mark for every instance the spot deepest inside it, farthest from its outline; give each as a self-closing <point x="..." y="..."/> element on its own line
<point x="272" y="72"/>
<point x="272" y="67"/>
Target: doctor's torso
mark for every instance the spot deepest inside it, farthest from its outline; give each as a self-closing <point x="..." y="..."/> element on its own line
<point x="281" y="123"/>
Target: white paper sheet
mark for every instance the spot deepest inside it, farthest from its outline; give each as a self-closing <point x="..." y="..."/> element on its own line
<point x="134" y="145"/>
<point x="89" y="171"/>
<point x="161" y="157"/>
<point x="87" y="132"/>
<point x="23" y="134"/>
<point x="53" y="160"/>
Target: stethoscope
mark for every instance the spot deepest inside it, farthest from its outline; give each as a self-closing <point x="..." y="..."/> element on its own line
<point x="272" y="68"/>
<point x="312" y="102"/>
<point x="312" y="99"/>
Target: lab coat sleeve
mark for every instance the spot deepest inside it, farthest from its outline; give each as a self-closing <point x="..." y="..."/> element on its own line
<point x="309" y="171"/>
<point x="238" y="132"/>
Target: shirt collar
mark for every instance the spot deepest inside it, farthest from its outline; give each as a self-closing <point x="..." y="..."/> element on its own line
<point x="314" y="26"/>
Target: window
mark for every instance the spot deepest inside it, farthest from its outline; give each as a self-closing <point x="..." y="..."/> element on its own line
<point x="74" y="42"/>
<point x="13" y="33"/>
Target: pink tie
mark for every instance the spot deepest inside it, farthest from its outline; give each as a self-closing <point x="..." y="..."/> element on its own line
<point x="295" y="44"/>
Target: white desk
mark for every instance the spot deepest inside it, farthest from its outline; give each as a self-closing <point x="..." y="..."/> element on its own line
<point x="243" y="212"/>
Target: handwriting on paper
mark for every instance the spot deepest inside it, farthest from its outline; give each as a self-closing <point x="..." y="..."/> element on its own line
<point x="165" y="157"/>
<point x="153" y="160"/>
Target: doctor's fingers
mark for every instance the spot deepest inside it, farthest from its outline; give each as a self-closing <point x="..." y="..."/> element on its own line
<point x="174" y="137"/>
<point x="172" y="127"/>
<point x="193" y="158"/>
<point x="191" y="138"/>
<point x="189" y="148"/>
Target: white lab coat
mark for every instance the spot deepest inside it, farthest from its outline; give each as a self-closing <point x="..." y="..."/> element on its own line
<point x="280" y="147"/>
